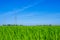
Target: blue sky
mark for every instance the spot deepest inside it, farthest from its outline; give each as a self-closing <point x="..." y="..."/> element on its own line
<point x="30" y="12"/>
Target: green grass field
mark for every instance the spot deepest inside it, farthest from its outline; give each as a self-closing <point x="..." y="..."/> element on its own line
<point x="30" y="33"/>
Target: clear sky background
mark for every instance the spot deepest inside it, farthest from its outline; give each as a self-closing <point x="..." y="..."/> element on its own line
<point x="30" y="12"/>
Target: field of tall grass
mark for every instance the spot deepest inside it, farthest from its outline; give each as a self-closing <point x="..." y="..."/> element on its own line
<point x="30" y="33"/>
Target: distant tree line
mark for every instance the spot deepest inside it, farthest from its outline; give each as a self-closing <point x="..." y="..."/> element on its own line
<point x="23" y="25"/>
<point x="11" y="25"/>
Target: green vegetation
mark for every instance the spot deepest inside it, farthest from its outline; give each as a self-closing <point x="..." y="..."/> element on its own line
<point x="30" y="32"/>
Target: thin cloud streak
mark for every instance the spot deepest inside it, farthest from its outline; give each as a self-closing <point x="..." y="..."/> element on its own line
<point x="16" y="11"/>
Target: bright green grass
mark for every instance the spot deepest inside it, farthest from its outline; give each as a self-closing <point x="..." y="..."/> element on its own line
<point x="30" y="33"/>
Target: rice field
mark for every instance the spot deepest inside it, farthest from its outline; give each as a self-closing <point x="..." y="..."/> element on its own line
<point x="30" y="33"/>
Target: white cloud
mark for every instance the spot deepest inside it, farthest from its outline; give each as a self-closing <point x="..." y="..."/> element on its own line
<point x="16" y="11"/>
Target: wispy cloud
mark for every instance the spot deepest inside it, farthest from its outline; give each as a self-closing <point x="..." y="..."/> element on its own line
<point x="19" y="10"/>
